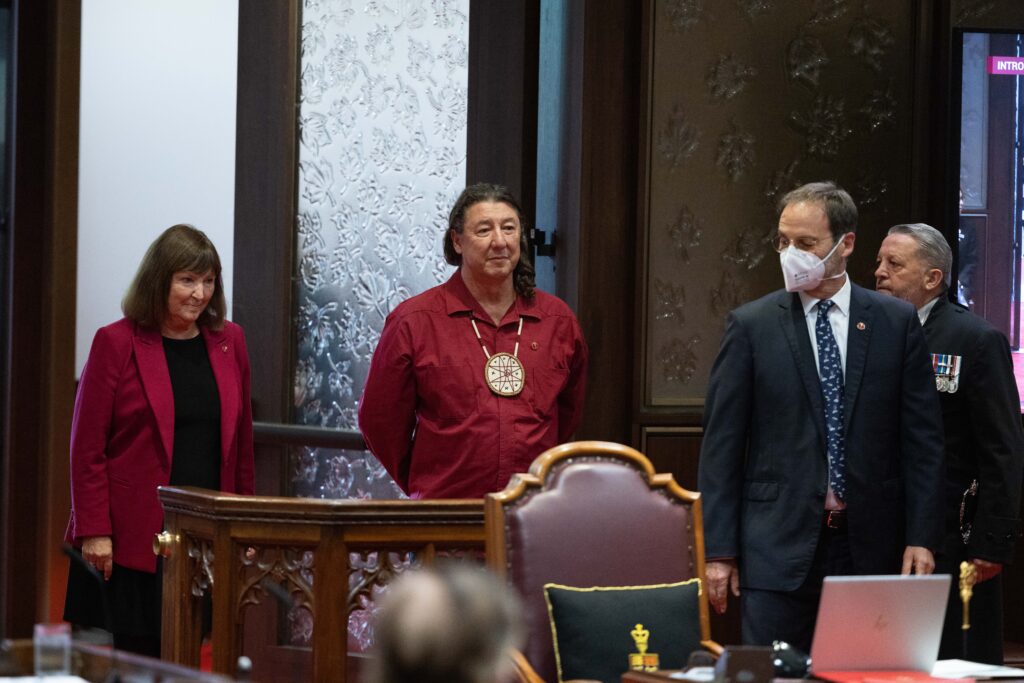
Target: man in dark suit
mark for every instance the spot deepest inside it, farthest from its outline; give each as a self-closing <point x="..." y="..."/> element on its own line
<point x="822" y="448"/>
<point x="984" y="440"/>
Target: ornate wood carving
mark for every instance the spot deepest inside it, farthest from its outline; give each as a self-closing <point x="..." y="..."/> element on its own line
<point x="324" y="560"/>
<point x="200" y="555"/>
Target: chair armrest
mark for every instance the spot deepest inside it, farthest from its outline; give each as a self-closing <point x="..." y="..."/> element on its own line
<point x="712" y="647"/>
<point x="524" y="672"/>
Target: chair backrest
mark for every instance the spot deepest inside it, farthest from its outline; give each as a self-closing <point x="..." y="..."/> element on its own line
<point x="591" y="513"/>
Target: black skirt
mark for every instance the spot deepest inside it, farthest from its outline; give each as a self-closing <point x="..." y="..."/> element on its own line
<point x="133" y="595"/>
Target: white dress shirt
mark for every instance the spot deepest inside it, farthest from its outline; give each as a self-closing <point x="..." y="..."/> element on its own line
<point x="838" y="317"/>
<point x="922" y="313"/>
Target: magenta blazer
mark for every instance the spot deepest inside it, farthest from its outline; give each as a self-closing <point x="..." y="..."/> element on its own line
<point x="122" y="435"/>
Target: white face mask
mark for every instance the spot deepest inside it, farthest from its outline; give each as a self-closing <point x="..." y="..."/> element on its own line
<point x="803" y="270"/>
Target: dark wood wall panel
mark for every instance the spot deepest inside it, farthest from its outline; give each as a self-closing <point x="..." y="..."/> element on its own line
<point x="266" y="168"/>
<point x="61" y="269"/>
<point x="501" y="132"/>
<point x="39" y="371"/>
<point x="744" y="104"/>
<point x="677" y="450"/>
<point x="23" y="429"/>
<point x="609" y="112"/>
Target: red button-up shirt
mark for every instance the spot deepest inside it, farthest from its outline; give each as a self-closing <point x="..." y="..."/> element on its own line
<point x="427" y="413"/>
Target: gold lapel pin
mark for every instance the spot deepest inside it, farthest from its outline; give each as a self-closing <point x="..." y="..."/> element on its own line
<point x="861" y="326"/>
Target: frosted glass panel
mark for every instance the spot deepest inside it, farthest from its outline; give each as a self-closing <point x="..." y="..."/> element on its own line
<point x="382" y="158"/>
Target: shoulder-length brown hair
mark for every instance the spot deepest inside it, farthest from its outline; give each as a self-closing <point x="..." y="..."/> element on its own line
<point x="180" y="247"/>
<point x="523" y="276"/>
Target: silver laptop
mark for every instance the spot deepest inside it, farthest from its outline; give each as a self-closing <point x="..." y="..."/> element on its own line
<point x="879" y="623"/>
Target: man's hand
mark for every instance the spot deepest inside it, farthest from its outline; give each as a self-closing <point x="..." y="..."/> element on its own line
<point x="99" y="552"/>
<point x="986" y="569"/>
<point x="723" y="576"/>
<point x="918" y="560"/>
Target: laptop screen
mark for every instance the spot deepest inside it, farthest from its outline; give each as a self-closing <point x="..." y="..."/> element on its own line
<point x="879" y="623"/>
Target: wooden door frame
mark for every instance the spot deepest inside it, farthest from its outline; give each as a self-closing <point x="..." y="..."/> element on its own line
<point x="41" y="308"/>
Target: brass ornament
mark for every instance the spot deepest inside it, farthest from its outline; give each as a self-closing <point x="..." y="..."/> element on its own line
<point x="642" y="660"/>
<point x="968" y="577"/>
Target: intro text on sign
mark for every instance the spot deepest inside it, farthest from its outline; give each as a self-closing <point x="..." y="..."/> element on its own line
<point x="1003" y="66"/>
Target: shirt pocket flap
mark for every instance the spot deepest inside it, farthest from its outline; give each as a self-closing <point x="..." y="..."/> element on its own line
<point x="448" y="391"/>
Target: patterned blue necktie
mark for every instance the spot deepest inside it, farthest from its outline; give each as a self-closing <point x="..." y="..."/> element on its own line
<point x="831" y="369"/>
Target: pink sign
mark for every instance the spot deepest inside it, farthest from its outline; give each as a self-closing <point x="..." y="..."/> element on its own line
<point x="1006" y="66"/>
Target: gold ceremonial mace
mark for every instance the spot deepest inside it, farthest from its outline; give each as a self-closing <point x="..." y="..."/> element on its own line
<point x="968" y="577"/>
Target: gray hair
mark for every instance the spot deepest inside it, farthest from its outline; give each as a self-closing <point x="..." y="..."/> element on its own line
<point x="837" y="203"/>
<point x="932" y="247"/>
<point x="449" y="624"/>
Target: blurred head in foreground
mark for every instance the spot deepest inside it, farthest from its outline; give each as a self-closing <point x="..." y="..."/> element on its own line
<point x="451" y="624"/>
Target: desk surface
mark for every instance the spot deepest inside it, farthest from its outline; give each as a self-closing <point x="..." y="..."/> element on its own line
<point x="644" y="677"/>
<point x="94" y="663"/>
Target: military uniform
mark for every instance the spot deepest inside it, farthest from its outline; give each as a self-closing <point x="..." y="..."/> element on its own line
<point x="984" y="443"/>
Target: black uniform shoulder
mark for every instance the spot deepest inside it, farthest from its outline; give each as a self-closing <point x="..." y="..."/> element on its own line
<point x="955" y="314"/>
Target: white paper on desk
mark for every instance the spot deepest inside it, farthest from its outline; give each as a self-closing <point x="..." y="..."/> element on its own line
<point x="961" y="668"/>
<point x="699" y="674"/>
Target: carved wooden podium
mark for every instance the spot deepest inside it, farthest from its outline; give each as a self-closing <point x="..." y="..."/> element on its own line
<point x="264" y="557"/>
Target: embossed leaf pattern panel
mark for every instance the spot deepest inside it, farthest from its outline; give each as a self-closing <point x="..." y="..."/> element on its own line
<point x="382" y="131"/>
<point x="748" y="99"/>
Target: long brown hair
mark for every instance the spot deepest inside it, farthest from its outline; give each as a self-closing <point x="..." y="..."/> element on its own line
<point x="180" y="247"/>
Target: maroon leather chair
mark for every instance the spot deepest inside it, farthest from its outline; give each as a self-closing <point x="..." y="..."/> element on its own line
<point x="592" y="513"/>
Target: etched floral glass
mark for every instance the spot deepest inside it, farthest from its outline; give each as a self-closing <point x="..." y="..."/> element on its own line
<point x="382" y="157"/>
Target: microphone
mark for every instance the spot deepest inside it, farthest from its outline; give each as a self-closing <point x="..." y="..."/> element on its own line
<point x="286" y="602"/>
<point x="113" y="675"/>
<point x="279" y="593"/>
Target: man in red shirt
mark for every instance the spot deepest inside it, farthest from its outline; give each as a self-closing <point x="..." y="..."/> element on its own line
<point x="476" y="377"/>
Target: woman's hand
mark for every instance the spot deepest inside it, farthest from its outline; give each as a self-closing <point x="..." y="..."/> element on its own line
<point x="99" y="552"/>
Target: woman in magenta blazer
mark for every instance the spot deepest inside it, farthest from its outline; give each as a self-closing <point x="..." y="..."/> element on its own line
<point x="163" y="399"/>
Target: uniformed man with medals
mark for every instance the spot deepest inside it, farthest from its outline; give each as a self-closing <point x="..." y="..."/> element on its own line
<point x="984" y="441"/>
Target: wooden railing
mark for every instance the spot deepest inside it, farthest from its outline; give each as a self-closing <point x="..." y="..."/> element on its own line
<point x="279" y="434"/>
<point x="324" y="558"/>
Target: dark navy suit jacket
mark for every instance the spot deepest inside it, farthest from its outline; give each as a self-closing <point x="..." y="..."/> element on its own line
<point x="763" y="472"/>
